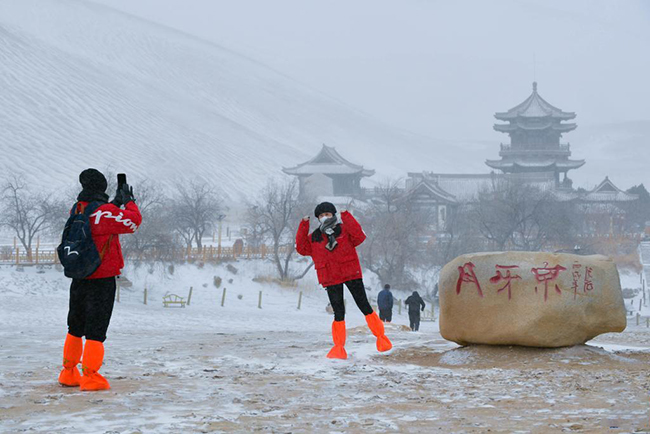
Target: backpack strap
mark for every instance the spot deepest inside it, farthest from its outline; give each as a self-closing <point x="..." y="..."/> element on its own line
<point x="89" y="209"/>
<point x="105" y="248"/>
<point x="79" y="208"/>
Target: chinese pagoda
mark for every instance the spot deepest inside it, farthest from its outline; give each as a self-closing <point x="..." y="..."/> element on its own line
<point x="329" y="174"/>
<point x="535" y="128"/>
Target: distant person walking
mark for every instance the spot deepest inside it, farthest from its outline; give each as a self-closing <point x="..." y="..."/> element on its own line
<point x="93" y="260"/>
<point x="332" y="246"/>
<point x="415" y="305"/>
<point x="385" y="304"/>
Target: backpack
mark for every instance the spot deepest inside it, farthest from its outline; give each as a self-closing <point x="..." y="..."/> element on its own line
<point x="77" y="251"/>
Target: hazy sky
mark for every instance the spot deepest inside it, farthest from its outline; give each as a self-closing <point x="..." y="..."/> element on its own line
<point x="440" y="68"/>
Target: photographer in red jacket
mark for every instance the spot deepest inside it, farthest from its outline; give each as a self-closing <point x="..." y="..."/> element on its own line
<point x="333" y="248"/>
<point x="92" y="298"/>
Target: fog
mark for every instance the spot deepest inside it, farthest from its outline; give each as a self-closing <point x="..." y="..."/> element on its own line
<point x="442" y="69"/>
<point x="439" y="68"/>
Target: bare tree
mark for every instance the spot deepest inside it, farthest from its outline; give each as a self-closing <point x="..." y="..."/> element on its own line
<point x="275" y="216"/>
<point x="155" y="235"/>
<point x="523" y="217"/>
<point x="461" y="236"/>
<point x="26" y="213"/>
<point x="195" y="208"/>
<point x="395" y="226"/>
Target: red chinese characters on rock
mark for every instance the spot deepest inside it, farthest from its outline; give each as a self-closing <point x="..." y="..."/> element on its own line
<point x="467" y="275"/>
<point x="548" y="274"/>
<point x="508" y="277"/>
<point x="589" y="284"/>
<point x="576" y="275"/>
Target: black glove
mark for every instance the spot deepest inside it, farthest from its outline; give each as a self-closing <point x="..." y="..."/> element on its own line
<point x="127" y="194"/>
<point x="123" y="196"/>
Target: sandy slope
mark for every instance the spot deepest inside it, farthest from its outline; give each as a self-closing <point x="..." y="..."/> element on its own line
<point x="83" y="84"/>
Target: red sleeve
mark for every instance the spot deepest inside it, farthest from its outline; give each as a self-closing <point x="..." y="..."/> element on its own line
<point x="353" y="228"/>
<point x="303" y="243"/>
<point x="110" y="219"/>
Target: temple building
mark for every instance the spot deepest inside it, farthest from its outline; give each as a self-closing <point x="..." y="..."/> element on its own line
<point x="535" y="128"/>
<point x="535" y="156"/>
<point x="329" y="174"/>
<point x="428" y="195"/>
<point x="604" y="208"/>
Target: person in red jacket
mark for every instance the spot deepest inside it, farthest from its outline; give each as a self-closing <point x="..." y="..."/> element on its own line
<point x="92" y="298"/>
<point x="333" y="248"/>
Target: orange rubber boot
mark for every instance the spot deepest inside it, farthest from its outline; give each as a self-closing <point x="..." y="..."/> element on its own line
<point x="72" y="349"/>
<point x="92" y="361"/>
<point x="377" y="328"/>
<point x="338" y="336"/>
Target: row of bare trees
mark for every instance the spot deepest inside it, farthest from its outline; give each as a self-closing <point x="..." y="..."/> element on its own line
<point x="174" y="220"/>
<point x="28" y="214"/>
<point x="404" y="239"/>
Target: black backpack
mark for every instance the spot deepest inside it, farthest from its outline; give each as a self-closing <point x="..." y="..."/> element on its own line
<point x="77" y="251"/>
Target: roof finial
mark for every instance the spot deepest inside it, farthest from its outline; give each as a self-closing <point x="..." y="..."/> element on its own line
<point x="534" y="86"/>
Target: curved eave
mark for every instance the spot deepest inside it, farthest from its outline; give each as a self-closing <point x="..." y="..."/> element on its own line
<point x="507" y="116"/>
<point x="610" y="198"/>
<point x="304" y="171"/>
<point x="571" y="164"/>
<point x="568" y="165"/>
<point x="508" y="128"/>
<point x="435" y="190"/>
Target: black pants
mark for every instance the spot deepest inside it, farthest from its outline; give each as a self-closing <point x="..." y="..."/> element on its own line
<point x="358" y="291"/>
<point x="414" y="319"/>
<point x="91" y="306"/>
<point x="386" y="315"/>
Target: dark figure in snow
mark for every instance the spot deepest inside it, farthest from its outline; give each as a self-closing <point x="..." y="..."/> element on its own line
<point x="415" y="305"/>
<point x="385" y="304"/>
<point x="92" y="298"/>
<point x="333" y="248"/>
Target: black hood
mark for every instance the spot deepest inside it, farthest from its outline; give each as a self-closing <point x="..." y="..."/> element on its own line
<point x="94" y="185"/>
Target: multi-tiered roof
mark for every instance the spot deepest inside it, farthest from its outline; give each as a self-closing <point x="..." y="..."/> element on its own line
<point x="535" y="128"/>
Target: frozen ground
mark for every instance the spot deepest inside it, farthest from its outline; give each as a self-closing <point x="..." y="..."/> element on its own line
<point x="205" y="368"/>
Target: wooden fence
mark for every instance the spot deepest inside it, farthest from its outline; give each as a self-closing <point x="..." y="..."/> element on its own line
<point x="18" y="256"/>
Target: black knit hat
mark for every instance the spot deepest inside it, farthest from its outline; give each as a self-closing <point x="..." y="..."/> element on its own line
<point x="325" y="207"/>
<point x="387" y="286"/>
<point x="93" y="180"/>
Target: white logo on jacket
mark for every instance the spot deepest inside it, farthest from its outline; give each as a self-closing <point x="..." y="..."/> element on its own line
<point x="70" y="251"/>
<point x="118" y="218"/>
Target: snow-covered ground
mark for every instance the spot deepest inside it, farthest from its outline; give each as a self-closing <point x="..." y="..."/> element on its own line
<point x="238" y="368"/>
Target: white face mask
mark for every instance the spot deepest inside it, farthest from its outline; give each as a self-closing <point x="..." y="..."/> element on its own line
<point x="323" y="219"/>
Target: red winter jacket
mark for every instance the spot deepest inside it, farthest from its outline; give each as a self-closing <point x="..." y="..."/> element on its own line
<point x="109" y="220"/>
<point x="339" y="265"/>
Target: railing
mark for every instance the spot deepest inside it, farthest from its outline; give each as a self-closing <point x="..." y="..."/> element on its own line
<point x="18" y="256"/>
<point x="562" y="149"/>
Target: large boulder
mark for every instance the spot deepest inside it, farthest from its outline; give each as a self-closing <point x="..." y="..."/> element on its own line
<point x="530" y="299"/>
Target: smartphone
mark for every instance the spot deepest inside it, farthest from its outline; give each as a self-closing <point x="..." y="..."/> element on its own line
<point x="121" y="180"/>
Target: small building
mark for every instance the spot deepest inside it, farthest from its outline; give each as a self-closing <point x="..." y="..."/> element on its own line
<point x="427" y="195"/>
<point x="329" y="174"/>
<point x="535" y="128"/>
<point x="605" y="208"/>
